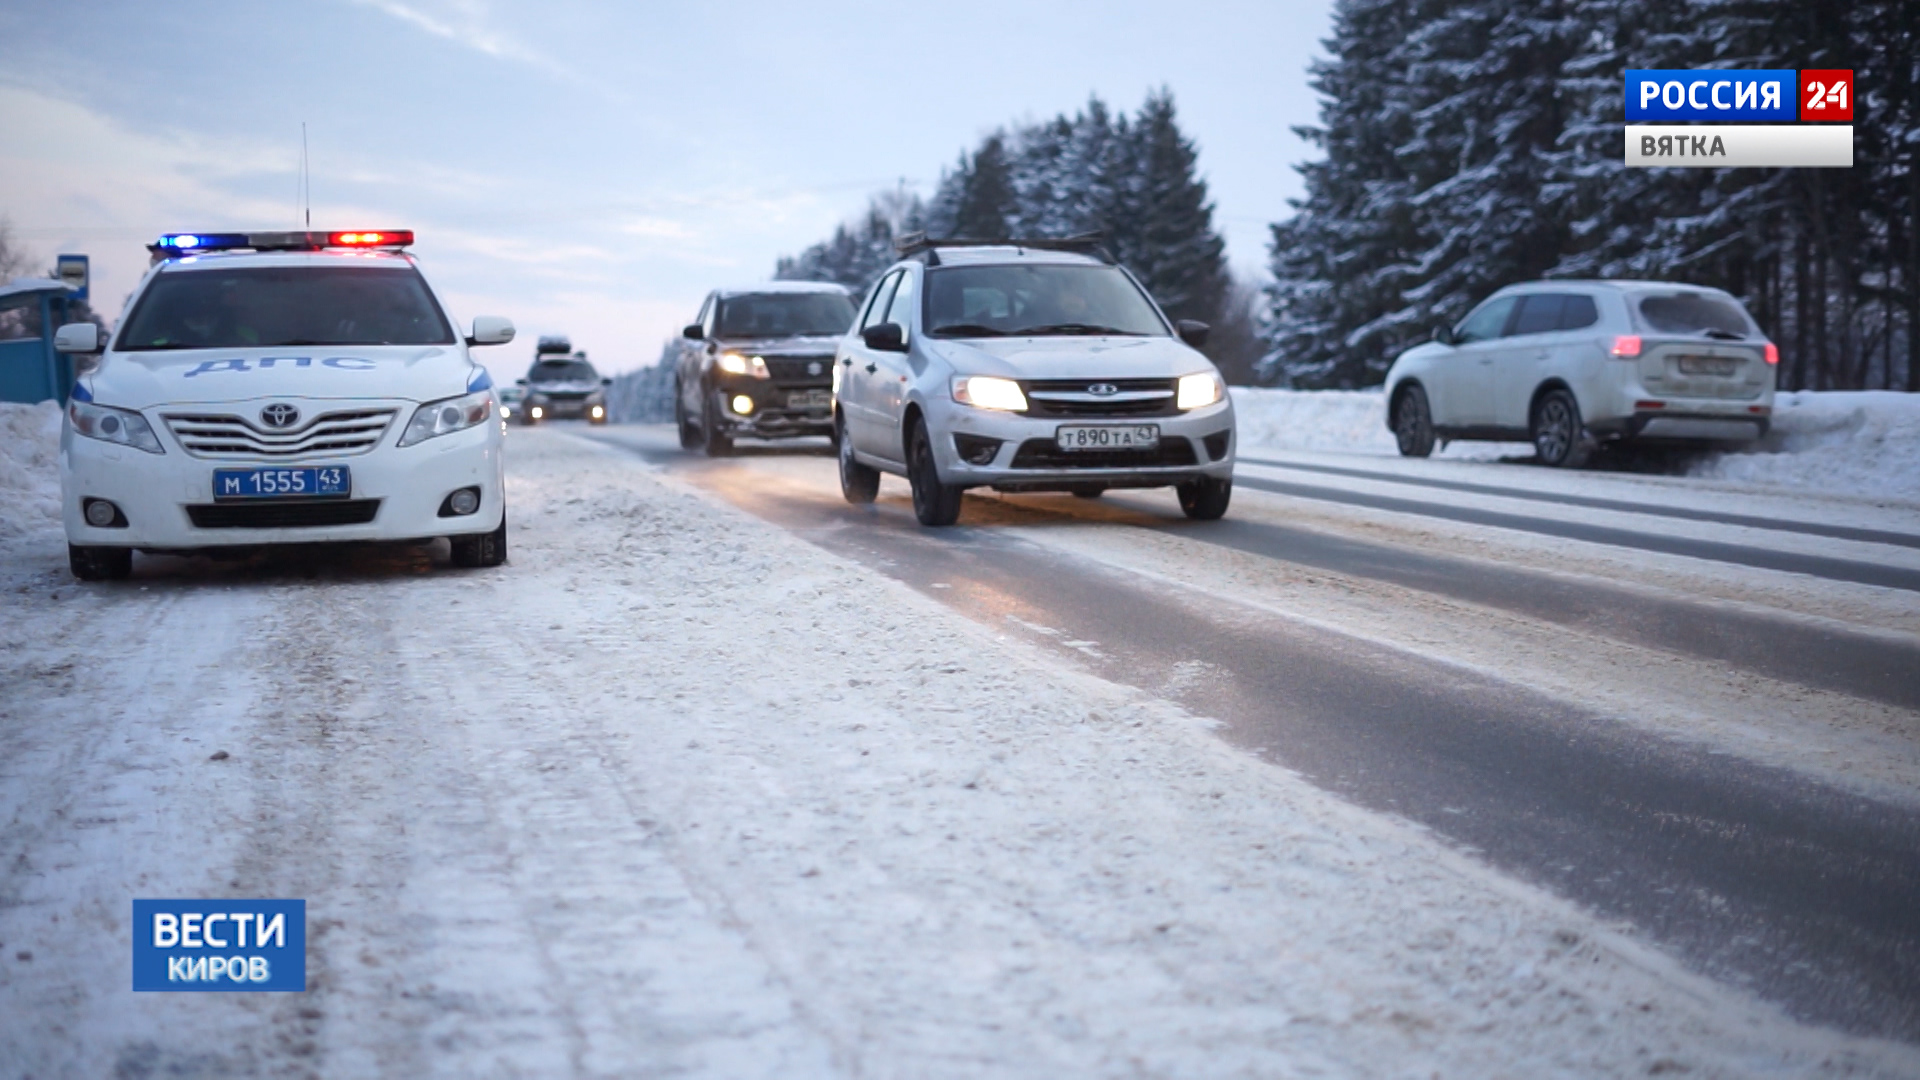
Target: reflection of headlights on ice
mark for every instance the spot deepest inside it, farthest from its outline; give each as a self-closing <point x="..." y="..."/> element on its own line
<point x="735" y="364"/>
<point x="1198" y="391"/>
<point x="989" y="392"/>
<point x="437" y="418"/>
<point x="113" y="425"/>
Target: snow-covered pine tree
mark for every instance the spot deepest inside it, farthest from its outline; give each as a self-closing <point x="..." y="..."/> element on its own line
<point x="987" y="200"/>
<point x="1169" y="241"/>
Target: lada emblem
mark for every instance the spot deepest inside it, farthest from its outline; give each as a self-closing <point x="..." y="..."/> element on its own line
<point x="1103" y="389"/>
<point x="279" y="415"/>
<point x="814" y="368"/>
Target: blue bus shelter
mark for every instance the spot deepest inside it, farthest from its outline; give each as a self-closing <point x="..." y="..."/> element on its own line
<point x="31" y="309"/>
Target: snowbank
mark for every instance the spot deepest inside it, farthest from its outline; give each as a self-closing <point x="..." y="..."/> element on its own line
<point x="1864" y="442"/>
<point x="29" y="470"/>
<point x="1861" y="443"/>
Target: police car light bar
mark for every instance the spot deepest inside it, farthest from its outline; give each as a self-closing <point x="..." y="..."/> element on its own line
<point x="175" y="245"/>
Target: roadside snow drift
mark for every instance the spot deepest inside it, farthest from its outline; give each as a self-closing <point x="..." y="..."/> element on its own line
<point x="1860" y="443"/>
<point x="29" y="467"/>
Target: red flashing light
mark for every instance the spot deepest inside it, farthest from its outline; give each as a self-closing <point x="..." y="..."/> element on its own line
<point x="1773" y="353"/>
<point x="388" y="238"/>
<point x="1626" y="346"/>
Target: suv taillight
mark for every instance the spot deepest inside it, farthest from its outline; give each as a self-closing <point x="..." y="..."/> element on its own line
<point x="1773" y="353"/>
<point x="1626" y="346"/>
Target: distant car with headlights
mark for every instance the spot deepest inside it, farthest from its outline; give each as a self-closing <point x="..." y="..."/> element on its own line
<point x="1026" y="365"/>
<point x="280" y="388"/>
<point x="1572" y="365"/>
<point x="757" y="363"/>
<point x="562" y="385"/>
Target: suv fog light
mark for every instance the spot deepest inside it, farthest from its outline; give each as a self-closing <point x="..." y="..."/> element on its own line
<point x="537" y="412"/>
<point x="102" y="514"/>
<point x="742" y="404"/>
<point x="598" y="412"/>
<point x="461" y="503"/>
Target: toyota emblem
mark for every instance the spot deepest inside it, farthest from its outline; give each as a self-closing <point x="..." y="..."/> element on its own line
<point x="279" y="415"/>
<point x="1103" y="389"/>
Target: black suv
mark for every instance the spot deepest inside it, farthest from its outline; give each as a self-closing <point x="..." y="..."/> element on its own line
<point x="758" y="363"/>
<point x="561" y="385"/>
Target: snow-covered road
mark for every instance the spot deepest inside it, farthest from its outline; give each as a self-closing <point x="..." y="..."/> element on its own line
<point x="685" y="791"/>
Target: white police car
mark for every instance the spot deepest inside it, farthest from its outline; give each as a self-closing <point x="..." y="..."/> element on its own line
<point x="277" y="388"/>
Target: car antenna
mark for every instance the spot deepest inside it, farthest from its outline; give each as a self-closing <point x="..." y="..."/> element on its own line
<point x="306" y="183"/>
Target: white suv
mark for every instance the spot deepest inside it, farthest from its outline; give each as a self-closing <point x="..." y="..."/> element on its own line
<point x="276" y="388"/>
<point x="1568" y="364"/>
<point x="1026" y="366"/>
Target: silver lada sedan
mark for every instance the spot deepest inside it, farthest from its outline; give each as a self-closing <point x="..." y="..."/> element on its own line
<point x="1026" y="366"/>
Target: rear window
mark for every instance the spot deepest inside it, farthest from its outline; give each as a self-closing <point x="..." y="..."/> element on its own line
<point x="1694" y="313"/>
<point x="262" y="306"/>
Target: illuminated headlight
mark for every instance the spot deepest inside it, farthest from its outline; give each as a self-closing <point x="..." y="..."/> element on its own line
<point x="989" y="392"/>
<point x="1197" y="391"/>
<point x="599" y="411"/>
<point x="437" y="418"/>
<point x="113" y="425"/>
<point x="735" y="364"/>
<point x="742" y="404"/>
<point x="538" y="412"/>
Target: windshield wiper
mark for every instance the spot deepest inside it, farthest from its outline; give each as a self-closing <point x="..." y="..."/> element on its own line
<point x="967" y="329"/>
<point x="1074" y="328"/>
<point x="1718" y="334"/>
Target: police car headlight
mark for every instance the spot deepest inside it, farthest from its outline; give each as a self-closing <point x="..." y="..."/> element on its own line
<point x="445" y="417"/>
<point x="735" y="364"/>
<point x="113" y="425"/>
<point x="1199" y="391"/>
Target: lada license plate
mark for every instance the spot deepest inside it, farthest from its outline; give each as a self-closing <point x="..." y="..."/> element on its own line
<point x="308" y="481"/>
<point x="1706" y="365"/>
<point x="810" y="399"/>
<point x="1109" y="437"/>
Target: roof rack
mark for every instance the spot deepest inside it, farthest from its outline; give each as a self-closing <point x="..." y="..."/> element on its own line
<point x="919" y="243"/>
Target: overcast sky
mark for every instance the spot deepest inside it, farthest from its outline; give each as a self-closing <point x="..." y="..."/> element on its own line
<point x="591" y="168"/>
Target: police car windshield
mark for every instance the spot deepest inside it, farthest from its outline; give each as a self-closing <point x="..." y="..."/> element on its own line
<point x="758" y="315"/>
<point x="1000" y="301"/>
<point x="566" y="370"/>
<point x="265" y="307"/>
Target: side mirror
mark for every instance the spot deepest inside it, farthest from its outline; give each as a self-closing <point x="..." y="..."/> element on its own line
<point x="1192" y="332"/>
<point x="694" y="332"/>
<point x="490" y="330"/>
<point x="886" y="337"/>
<point x="80" y="337"/>
<point x="520" y="382"/>
<point x="606" y="382"/>
<point x="1444" y="334"/>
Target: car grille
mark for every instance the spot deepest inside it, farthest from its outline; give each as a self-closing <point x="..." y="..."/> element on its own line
<point x="793" y="369"/>
<point x="1172" y="453"/>
<point x="332" y="434"/>
<point x="284" y="515"/>
<point x="1072" y="398"/>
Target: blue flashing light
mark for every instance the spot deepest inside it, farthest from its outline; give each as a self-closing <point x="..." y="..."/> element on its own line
<point x="183" y="243"/>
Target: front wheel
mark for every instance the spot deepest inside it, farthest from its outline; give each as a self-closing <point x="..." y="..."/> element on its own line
<point x="482" y="550"/>
<point x="1205" y="499"/>
<point x="1559" y="436"/>
<point x="937" y="505"/>
<point x="860" y="484"/>
<point x="716" y="442"/>
<point x="99" y="563"/>
<point x="1413" y="423"/>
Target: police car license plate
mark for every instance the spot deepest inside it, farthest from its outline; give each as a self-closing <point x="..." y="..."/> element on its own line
<point x="1706" y="365"/>
<point x="1109" y="437"/>
<point x="310" y="481"/>
<point x="810" y="399"/>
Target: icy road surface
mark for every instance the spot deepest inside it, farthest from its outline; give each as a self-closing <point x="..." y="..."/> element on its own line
<point x="688" y="790"/>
